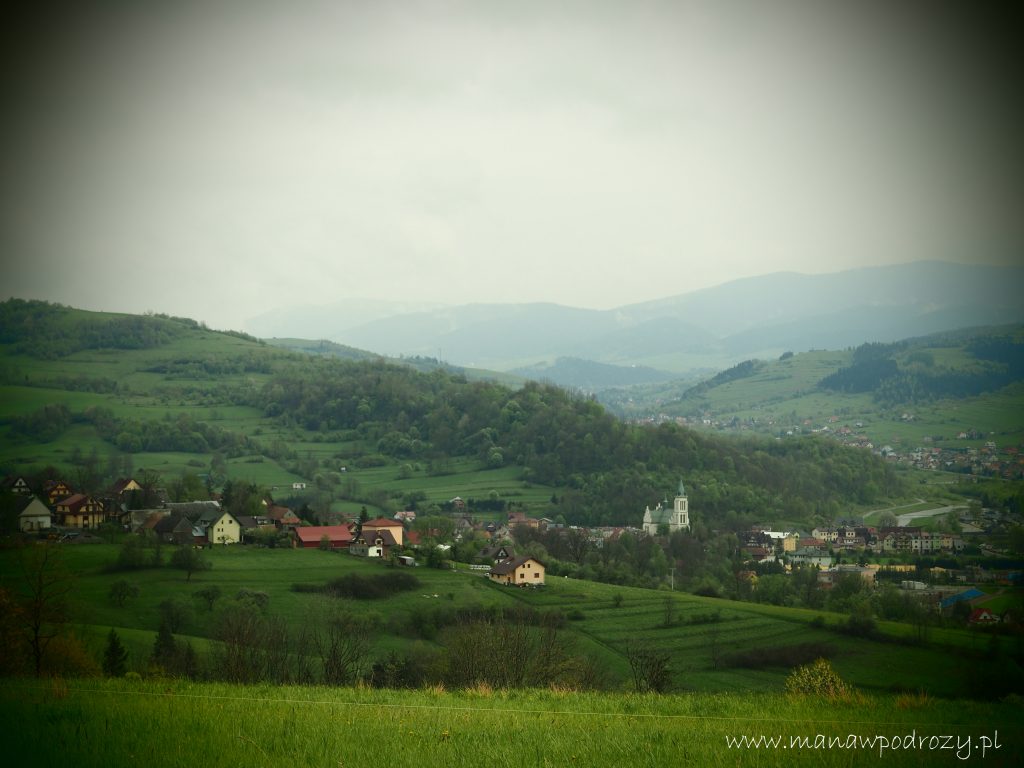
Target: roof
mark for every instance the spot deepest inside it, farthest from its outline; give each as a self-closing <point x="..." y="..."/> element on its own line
<point x="385" y="536"/>
<point x="121" y="484"/>
<point x="659" y="515"/>
<point x="172" y="523"/>
<point x="969" y="594"/>
<point x="211" y="516"/>
<point x="280" y="513"/>
<point x="382" y="522"/>
<point x="314" y="533"/>
<point x="72" y="500"/>
<point x="510" y="565"/>
<point x="21" y="506"/>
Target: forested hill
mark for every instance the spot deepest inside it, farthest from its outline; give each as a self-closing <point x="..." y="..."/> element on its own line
<point x="377" y="414"/>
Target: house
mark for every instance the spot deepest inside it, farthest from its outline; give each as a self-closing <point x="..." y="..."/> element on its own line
<point x="16" y="484"/>
<point x="518" y="571"/>
<point x="497" y="553"/>
<point x="251" y="525"/>
<point x="520" y="518"/>
<point x="812" y="556"/>
<point x="312" y="536"/>
<point x="283" y="517"/>
<point x="983" y="617"/>
<point x="298" y="486"/>
<point x="220" y="527"/>
<point x="122" y="486"/>
<point x="675" y="519"/>
<point x="174" y="528"/>
<point x="406" y="516"/>
<point x="135" y="519"/>
<point x="79" y="511"/>
<point x="33" y="515"/>
<point x="55" y="490"/>
<point x="372" y="543"/>
<point x="380" y="524"/>
<point x="828" y="578"/>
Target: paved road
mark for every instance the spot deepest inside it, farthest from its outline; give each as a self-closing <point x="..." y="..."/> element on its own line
<point x="906" y="518"/>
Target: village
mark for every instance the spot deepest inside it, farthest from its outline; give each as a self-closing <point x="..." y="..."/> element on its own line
<point x="922" y="563"/>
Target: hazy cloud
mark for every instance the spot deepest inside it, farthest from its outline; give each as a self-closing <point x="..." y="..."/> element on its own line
<point x="221" y="159"/>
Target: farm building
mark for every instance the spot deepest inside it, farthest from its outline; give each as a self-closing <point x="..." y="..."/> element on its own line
<point x="311" y="536"/>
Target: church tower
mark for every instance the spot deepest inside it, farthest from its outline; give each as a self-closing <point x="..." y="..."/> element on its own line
<point x="680" y="511"/>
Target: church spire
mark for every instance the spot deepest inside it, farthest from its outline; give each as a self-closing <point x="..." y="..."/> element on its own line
<point x="682" y="491"/>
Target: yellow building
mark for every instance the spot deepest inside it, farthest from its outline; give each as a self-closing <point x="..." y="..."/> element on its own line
<point x="518" y="571"/>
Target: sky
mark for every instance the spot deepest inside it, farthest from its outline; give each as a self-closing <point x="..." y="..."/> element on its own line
<point x="218" y="160"/>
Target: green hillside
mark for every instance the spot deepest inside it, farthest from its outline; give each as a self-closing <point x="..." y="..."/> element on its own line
<point x="91" y="393"/>
<point x="927" y="390"/>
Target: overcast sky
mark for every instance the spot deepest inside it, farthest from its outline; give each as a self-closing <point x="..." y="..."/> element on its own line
<point x="217" y="160"/>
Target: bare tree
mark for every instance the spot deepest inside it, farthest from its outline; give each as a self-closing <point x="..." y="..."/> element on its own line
<point x="650" y="668"/>
<point x="344" y="646"/>
<point x="45" y="587"/>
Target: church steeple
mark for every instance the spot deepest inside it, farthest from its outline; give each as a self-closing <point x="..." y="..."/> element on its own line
<point x="682" y="491"/>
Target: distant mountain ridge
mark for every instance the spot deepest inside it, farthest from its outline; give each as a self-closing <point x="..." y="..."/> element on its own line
<point x="711" y="328"/>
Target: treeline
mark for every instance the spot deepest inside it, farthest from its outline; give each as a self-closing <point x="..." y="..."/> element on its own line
<point x="50" y="331"/>
<point x="895" y="376"/>
<point x="212" y="366"/>
<point x="172" y="433"/>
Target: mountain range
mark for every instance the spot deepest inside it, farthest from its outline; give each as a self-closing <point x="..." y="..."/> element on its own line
<point x="700" y="331"/>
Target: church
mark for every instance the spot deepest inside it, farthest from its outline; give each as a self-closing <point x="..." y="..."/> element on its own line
<point x="677" y="518"/>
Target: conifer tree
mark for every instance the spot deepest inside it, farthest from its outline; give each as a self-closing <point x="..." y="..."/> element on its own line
<point x="115" y="658"/>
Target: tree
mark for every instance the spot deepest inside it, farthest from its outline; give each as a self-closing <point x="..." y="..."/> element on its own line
<point x="174" y="612"/>
<point x="165" y="649"/>
<point x="115" y="657"/>
<point x="190" y="560"/>
<point x="46" y="585"/>
<point x="209" y="595"/>
<point x="121" y="591"/>
<point x="650" y="668"/>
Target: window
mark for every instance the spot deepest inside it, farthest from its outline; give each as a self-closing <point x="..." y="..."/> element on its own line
<point x="536" y="574"/>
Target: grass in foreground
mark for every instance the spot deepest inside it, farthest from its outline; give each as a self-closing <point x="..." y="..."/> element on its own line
<point x="91" y="722"/>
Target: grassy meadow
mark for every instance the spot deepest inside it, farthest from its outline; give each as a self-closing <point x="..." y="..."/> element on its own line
<point x="158" y="723"/>
<point x="708" y="639"/>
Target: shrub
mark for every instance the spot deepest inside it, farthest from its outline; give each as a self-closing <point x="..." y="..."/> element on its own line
<point x="817" y="679"/>
<point x="779" y="656"/>
<point x="361" y="587"/>
<point x="260" y="599"/>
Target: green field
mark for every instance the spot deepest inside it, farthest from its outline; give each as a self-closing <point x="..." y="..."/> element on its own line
<point x="99" y="723"/>
<point x="604" y="619"/>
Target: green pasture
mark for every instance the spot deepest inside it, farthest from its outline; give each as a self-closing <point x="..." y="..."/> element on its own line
<point x="604" y="620"/>
<point x="100" y="723"/>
